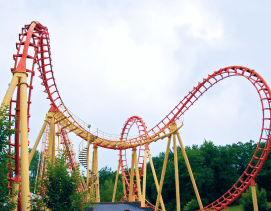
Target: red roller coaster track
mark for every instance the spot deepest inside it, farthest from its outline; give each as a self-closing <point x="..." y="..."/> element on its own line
<point x="36" y="36"/>
<point x="122" y="156"/>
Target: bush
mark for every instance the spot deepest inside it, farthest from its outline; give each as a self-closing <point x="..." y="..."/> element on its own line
<point x="246" y="200"/>
<point x="60" y="190"/>
<point x="191" y="206"/>
<point x="5" y="132"/>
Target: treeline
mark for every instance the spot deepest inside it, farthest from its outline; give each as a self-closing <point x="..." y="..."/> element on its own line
<point x="215" y="168"/>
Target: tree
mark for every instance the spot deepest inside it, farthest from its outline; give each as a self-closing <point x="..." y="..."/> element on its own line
<point x="33" y="170"/>
<point x="107" y="182"/>
<point x="107" y="191"/>
<point x="263" y="179"/>
<point x="246" y="200"/>
<point x="60" y="189"/>
<point x="191" y="206"/>
<point x="215" y="168"/>
<point x="104" y="174"/>
<point x="5" y="132"/>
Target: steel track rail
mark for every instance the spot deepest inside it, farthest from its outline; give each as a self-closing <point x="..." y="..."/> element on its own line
<point x="142" y="130"/>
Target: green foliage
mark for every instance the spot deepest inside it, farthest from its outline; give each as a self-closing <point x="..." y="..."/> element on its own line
<point x="246" y="200"/>
<point x="107" y="182"/>
<point x="105" y="173"/>
<point x="5" y="132"/>
<point x="215" y="168"/>
<point x="192" y="205"/>
<point x="235" y="208"/>
<point x="33" y="170"/>
<point x="4" y="191"/>
<point x="60" y="188"/>
<point x="264" y="177"/>
<point x="107" y="191"/>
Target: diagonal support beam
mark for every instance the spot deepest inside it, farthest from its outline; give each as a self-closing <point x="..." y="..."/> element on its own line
<point x="163" y="174"/>
<point x="155" y="180"/>
<point x="116" y="183"/>
<point x="38" y="139"/>
<point x="178" y="204"/>
<point x="189" y="170"/>
<point x="137" y="178"/>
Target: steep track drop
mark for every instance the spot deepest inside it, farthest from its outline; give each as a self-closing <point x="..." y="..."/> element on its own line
<point x="36" y="36"/>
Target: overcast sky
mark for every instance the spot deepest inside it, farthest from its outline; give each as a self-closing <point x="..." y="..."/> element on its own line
<point x="116" y="59"/>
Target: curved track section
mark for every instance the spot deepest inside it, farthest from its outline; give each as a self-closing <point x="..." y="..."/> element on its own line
<point x="36" y="36"/>
<point x="142" y="130"/>
<point x="67" y="148"/>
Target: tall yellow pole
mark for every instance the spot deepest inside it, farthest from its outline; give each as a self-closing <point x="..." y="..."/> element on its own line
<point x="124" y="186"/>
<point x="131" y="187"/>
<point x="16" y="187"/>
<point x="91" y="189"/>
<point x="38" y="139"/>
<point x="95" y="160"/>
<point x="88" y="171"/>
<point x="163" y="174"/>
<point x="178" y="204"/>
<point x="254" y="196"/>
<point x="155" y="180"/>
<point x="190" y="171"/>
<point x="21" y="72"/>
<point x="88" y="164"/>
<point x="88" y="158"/>
<point x="11" y="89"/>
<point x="137" y="177"/>
<point x="24" y="145"/>
<point x="116" y="183"/>
<point x="52" y="139"/>
<point x="144" y="178"/>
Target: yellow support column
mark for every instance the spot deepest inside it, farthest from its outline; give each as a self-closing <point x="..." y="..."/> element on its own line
<point x="144" y="176"/>
<point x="88" y="164"/>
<point x="38" y="139"/>
<point x="131" y="187"/>
<point x="189" y="170"/>
<point x="21" y="72"/>
<point x="88" y="171"/>
<point x="163" y="175"/>
<point x="24" y="144"/>
<point x="124" y="186"/>
<point x="88" y="144"/>
<point x="116" y="183"/>
<point x="91" y="186"/>
<point x="137" y="178"/>
<point x="11" y="89"/>
<point x="15" y="189"/>
<point x="95" y="161"/>
<point x="52" y="139"/>
<point x="178" y="204"/>
<point x="155" y="180"/>
<point x="254" y="195"/>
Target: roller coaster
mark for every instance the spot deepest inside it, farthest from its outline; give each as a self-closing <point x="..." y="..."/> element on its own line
<point x="33" y="49"/>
